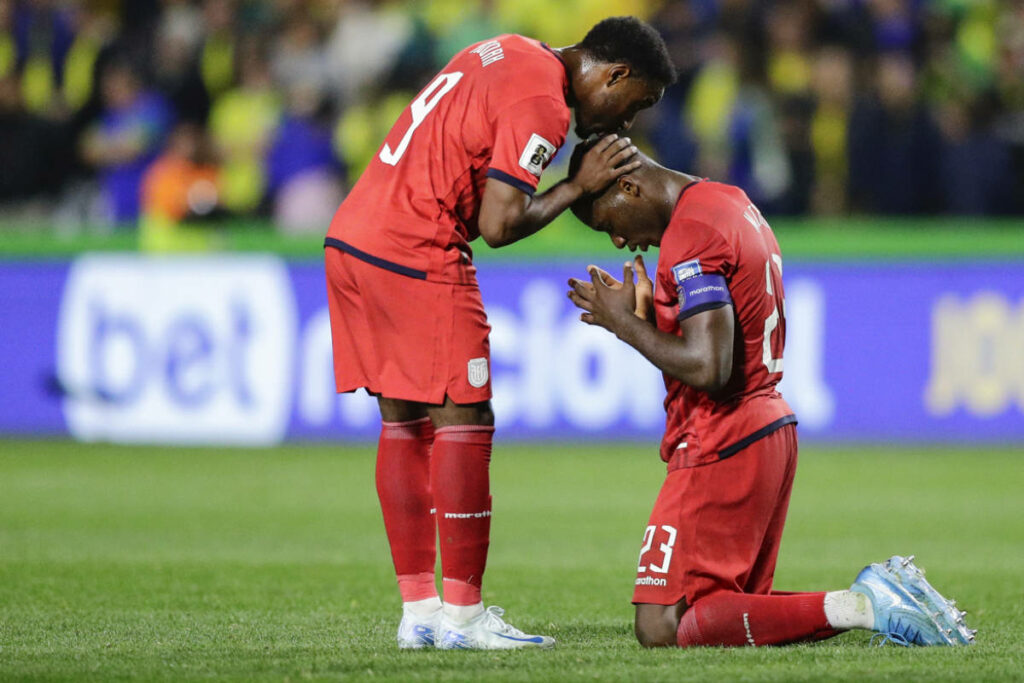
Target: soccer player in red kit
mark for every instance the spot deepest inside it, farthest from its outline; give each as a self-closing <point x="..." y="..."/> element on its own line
<point x="407" y="321"/>
<point x="714" y="322"/>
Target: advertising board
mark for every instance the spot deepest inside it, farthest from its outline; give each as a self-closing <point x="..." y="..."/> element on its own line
<point x="236" y="350"/>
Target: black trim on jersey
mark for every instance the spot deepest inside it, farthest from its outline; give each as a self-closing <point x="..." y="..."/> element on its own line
<point x="732" y="450"/>
<point x="709" y="306"/>
<point x="687" y="187"/>
<point x="568" y="76"/>
<point x="374" y="260"/>
<point x="567" y="91"/>
<point x="549" y="49"/>
<point x="511" y="180"/>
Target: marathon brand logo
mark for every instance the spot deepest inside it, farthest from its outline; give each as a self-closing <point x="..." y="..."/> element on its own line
<point x="703" y="291"/>
<point x="651" y="581"/>
<point x="746" y="627"/>
<point x="467" y="515"/>
<point x="536" y="155"/>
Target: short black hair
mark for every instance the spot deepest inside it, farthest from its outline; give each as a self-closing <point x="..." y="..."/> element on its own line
<point x="583" y="207"/>
<point x="634" y="42"/>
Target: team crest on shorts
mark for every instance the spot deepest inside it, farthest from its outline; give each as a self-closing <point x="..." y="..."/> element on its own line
<point x="476" y="372"/>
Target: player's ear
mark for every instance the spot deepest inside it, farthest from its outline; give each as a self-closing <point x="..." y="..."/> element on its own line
<point x="628" y="185"/>
<point x="617" y="73"/>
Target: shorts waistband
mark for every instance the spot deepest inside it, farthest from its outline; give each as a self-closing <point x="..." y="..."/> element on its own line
<point x="735" y="448"/>
<point x="374" y="260"/>
<point x="683" y="457"/>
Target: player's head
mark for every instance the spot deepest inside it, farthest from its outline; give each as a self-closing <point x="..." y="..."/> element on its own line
<point x="632" y="210"/>
<point x="627" y="68"/>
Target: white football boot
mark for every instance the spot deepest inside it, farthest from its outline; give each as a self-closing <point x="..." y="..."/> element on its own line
<point x="418" y="631"/>
<point x="486" y="631"/>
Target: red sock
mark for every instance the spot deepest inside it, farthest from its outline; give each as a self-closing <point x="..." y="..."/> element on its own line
<point x="820" y="635"/>
<point x="734" y="619"/>
<point x="403" y="486"/>
<point x="459" y="478"/>
<point x="415" y="587"/>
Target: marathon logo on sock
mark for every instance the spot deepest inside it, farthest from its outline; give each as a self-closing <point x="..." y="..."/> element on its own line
<point x="651" y="581"/>
<point x="746" y="627"/>
<point x="467" y="515"/>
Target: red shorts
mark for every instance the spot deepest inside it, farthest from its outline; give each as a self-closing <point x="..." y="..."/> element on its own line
<point x="405" y="338"/>
<point x="717" y="527"/>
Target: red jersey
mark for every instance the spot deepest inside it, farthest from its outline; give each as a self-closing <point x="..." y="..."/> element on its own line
<point x="717" y="250"/>
<point x="498" y="109"/>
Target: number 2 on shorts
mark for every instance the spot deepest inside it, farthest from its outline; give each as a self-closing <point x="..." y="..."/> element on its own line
<point x="665" y="548"/>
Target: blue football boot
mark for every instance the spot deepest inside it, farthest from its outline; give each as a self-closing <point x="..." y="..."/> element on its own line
<point x="908" y="611"/>
<point x="945" y="612"/>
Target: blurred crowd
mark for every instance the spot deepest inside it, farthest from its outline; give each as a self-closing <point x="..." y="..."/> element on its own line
<point x="119" y="112"/>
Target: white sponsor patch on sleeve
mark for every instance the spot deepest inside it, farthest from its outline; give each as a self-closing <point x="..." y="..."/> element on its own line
<point x="686" y="270"/>
<point x="536" y="154"/>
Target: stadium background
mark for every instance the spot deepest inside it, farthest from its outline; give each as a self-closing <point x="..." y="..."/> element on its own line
<point x="884" y="139"/>
<point x="167" y="170"/>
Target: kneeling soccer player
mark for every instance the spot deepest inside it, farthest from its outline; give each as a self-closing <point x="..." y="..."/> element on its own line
<point x="715" y="326"/>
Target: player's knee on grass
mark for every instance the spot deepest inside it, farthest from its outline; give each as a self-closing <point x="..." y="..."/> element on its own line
<point x="455" y="414"/>
<point x="656" y="625"/>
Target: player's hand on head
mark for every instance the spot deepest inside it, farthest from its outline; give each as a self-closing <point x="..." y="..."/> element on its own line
<point x="609" y="158"/>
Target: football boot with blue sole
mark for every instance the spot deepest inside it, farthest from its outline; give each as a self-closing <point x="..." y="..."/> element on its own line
<point x="908" y="610"/>
<point x="487" y="631"/>
<point x="416" y="631"/>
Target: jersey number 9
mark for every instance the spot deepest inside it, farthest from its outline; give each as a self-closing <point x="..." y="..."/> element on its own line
<point x="418" y="109"/>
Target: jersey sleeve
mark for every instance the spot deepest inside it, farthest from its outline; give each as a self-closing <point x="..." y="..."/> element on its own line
<point x="695" y="263"/>
<point x="526" y="136"/>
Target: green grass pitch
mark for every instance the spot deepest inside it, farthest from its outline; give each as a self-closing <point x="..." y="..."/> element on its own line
<point x="183" y="564"/>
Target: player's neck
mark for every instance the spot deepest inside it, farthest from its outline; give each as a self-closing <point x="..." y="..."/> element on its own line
<point x="575" y="62"/>
<point x="672" y="185"/>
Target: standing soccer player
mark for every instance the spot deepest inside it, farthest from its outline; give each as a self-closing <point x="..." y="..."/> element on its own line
<point x="407" y="320"/>
<point x="715" y="324"/>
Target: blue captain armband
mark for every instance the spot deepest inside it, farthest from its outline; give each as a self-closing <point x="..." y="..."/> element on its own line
<point x="701" y="293"/>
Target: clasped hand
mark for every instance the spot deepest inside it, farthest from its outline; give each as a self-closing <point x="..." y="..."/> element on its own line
<point x="609" y="303"/>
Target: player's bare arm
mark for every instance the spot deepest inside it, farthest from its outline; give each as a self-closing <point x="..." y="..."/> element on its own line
<point x="508" y="214"/>
<point x="700" y="357"/>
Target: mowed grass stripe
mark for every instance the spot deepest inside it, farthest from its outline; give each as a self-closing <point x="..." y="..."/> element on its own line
<point x="182" y="564"/>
